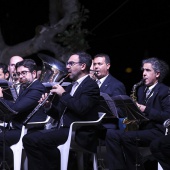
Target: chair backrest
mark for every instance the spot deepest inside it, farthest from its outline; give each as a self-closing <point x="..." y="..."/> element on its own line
<point x="17" y="148"/>
<point x="78" y="124"/>
<point x="71" y="144"/>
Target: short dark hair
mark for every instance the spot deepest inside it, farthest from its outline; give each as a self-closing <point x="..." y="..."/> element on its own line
<point x="4" y="68"/>
<point x="107" y="58"/>
<point x="159" y="66"/>
<point x="85" y="58"/>
<point x="28" y="63"/>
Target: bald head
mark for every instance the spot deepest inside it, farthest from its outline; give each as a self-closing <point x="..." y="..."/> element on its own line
<point x="12" y="62"/>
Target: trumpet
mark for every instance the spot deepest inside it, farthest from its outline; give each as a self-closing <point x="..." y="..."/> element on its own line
<point x="42" y="103"/>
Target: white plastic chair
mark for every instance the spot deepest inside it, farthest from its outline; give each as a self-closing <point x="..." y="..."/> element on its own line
<point x="18" y="147"/>
<point x="70" y="144"/>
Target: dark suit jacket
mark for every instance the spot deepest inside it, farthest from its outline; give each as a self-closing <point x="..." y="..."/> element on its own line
<point x="157" y="106"/>
<point x="113" y="86"/>
<point x="26" y="102"/>
<point x="82" y="106"/>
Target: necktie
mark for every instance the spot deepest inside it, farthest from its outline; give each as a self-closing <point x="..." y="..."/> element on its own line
<point x="74" y="87"/>
<point x="98" y="82"/>
<point x="148" y="92"/>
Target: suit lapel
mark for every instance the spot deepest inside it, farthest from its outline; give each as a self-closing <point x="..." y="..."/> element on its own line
<point x="81" y="85"/>
<point x="105" y="84"/>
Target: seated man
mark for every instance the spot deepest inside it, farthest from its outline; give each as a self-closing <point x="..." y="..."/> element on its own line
<point x="108" y="84"/>
<point x="122" y="146"/>
<point x="78" y="102"/>
<point x="25" y="103"/>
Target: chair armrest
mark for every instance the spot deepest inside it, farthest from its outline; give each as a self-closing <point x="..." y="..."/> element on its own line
<point x="89" y="123"/>
<point x="37" y="124"/>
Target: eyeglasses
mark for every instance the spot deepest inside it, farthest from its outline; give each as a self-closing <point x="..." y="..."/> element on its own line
<point x="71" y="63"/>
<point x="23" y="73"/>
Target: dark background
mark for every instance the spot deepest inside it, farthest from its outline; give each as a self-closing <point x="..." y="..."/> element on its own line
<point x="128" y="31"/>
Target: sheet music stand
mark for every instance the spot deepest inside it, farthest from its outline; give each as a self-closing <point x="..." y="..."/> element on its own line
<point x="107" y="105"/>
<point x="132" y="112"/>
<point x="7" y="93"/>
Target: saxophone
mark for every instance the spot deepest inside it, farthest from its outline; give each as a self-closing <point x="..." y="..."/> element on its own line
<point x="133" y="95"/>
<point x="132" y="124"/>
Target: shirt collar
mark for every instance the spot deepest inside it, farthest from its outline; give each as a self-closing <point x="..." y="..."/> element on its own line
<point x="81" y="79"/>
<point x="103" y="79"/>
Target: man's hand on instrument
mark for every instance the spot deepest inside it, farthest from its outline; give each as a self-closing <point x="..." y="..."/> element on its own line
<point x="1" y="94"/>
<point x="57" y="89"/>
<point x="47" y="103"/>
<point x="141" y="107"/>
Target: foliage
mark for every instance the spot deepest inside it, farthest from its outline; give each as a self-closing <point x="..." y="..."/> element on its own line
<point x="73" y="38"/>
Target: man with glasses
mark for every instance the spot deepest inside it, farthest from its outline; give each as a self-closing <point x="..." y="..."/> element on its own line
<point x="24" y="104"/>
<point x="78" y="102"/>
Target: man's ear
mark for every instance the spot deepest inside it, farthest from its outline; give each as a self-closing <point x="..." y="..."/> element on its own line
<point x="83" y="66"/>
<point x="108" y="66"/>
<point x="157" y="74"/>
<point x="6" y="76"/>
<point x="34" y="73"/>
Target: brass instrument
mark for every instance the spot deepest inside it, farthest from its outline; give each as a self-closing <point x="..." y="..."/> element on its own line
<point x="53" y="70"/>
<point x="42" y="103"/>
<point x="133" y="95"/>
<point x="133" y="124"/>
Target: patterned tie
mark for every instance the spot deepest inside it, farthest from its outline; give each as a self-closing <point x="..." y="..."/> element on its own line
<point x="148" y="92"/>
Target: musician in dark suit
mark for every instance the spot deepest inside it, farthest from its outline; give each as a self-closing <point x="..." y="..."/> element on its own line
<point x="77" y="103"/>
<point x="25" y="103"/>
<point x="108" y="84"/>
<point x="123" y="146"/>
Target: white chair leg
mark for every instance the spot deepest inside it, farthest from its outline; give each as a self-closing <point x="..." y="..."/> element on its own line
<point x="95" y="166"/>
<point x="159" y="166"/>
<point x="17" y="152"/>
<point x="64" y="155"/>
<point x="24" y="161"/>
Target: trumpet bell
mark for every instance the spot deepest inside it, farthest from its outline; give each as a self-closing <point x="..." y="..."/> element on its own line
<point x="53" y="70"/>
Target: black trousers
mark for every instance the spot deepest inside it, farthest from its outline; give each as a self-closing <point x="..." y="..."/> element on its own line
<point x="10" y="137"/>
<point x="160" y="149"/>
<point x="41" y="148"/>
<point x="122" y="147"/>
